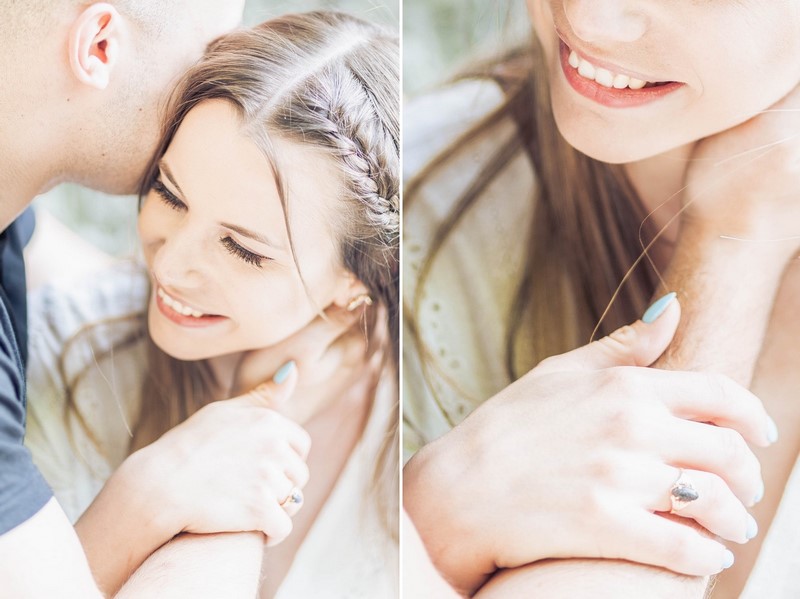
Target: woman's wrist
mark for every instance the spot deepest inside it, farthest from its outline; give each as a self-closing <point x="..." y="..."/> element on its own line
<point x="127" y="521"/>
<point x="432" y="498"/>
<point x="145" y="475"/>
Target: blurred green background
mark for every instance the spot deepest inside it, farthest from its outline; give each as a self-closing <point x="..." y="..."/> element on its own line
<point x="110" y="221"/>
<point x="441" y="37"/>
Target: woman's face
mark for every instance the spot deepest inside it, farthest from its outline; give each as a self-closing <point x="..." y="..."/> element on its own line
<point x="715" y="63"/>
<point x="216" y="244"/>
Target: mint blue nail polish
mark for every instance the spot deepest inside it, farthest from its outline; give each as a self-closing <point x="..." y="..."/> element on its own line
<point x="760" y="493"/>
<point x="772" y="430"/>
<point x="752" y="527"/>
<point x="727" y="559"/>
<point x="658" y="308"/>
<point x="284" y="372"/>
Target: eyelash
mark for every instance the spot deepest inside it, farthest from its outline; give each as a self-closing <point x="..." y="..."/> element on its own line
<point x="228" y="243"/>
<point x="167" y="196"/>
<point x="238" y="251"/>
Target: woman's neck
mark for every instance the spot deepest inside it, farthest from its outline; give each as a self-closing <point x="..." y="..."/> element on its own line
<point x="224" y="370"/>
<point x="659" y="181"/>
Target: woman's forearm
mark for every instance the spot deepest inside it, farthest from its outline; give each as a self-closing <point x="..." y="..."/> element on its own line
<point x="124" y="524"/>
<point x="420" y="577"/>
<point x="200" y="566"/>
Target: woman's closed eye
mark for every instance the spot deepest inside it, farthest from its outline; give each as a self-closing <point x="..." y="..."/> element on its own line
<point x="169" y="198"/>
<point x="233" y="248"/>
<point x="244" y="254"/>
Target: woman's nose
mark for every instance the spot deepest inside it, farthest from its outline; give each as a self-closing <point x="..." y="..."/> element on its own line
<point x="175" y="263"/>
<point x="609" y="21"/>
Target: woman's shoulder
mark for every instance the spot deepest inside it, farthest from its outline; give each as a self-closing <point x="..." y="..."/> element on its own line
<point x="434" y="120"/>
<point x="96" y="313"/>
<point x="85" y="357"/>
<point x="457" y="139"/>
<point x="60" y="310"/>
<point x="460" y="281"/>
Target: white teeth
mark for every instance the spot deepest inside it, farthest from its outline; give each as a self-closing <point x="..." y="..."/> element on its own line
<point x="621" y="81"/>
<point x="603" y="76"/>
<point x="586" y="69"/>
<point x="574" y="60"/>
<point x="637" y="83"/>
<point x="177" y="306"/>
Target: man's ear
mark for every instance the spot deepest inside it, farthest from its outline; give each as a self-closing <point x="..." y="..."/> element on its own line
<point x="350" y="291"/>
<point x="94" y="44"/>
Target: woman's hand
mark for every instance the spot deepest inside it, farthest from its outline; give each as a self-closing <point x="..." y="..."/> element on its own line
<point x="577" y="458"/>
<point x="230" y="465"/>
<point x="745" y="182"/>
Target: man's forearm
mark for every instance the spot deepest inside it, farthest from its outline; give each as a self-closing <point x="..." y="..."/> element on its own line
<point x="43" y="558"/>
<point x="592" y="579"/>
<point x="200" y="566"/>
<point x="727" y="289"/>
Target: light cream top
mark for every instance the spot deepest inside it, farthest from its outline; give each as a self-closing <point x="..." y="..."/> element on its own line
<point x="463" y="315"/>
<point x="346" y="553"/>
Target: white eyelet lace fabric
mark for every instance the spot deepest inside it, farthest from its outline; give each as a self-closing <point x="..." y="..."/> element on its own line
<point x="456" y="362"/>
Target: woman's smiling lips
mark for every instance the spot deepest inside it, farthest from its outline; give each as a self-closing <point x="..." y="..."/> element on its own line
<point x="609" y="88"/>
<point x="181" y="313"/>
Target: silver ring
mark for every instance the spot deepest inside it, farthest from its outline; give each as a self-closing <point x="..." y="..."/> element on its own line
<point x="682" y="492"/>
<point x="295" y="497"/>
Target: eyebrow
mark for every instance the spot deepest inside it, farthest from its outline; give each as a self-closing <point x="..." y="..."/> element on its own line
<point x="240" y="230"/>
<point x="252" y="235"/>
<point x="168" y="173"/>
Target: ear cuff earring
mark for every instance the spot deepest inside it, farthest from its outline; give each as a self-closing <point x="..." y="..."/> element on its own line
<point x="359" y="301"/>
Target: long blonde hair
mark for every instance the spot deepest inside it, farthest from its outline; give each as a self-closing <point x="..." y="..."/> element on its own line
<point x="329" y="81"/>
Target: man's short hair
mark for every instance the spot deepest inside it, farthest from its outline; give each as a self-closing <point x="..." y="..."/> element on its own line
<point x="24" y="16"/>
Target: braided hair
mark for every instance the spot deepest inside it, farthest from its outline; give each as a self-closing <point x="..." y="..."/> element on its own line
<point x="328" y="81"/>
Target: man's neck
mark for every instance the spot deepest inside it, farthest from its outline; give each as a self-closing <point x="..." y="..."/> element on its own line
<point x="27" y="149"/>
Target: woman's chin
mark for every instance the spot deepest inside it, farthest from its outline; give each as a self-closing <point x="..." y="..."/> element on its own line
<point x="610" y="144"/>
<point x="609" y="149"/>
<point x="186" y="352"/>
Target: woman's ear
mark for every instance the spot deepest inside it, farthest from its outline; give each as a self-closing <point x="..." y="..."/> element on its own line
<point x="352" y="293"/>
<point x="94" y="41"/>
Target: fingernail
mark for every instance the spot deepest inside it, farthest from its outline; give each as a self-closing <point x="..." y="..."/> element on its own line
<point x="284" y="372"/>
<point x="727" y="559"/>
<point x="752" y="527"/>
<point x="760" y="494"/>
<point x="772" y="430"/>
<point x="658" y="308"/>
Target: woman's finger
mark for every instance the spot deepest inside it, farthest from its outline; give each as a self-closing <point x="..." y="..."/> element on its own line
<point x="716" y="508"/>
<point x="638" y="344"/>
<point x="650" y="538"/>
<point x="716" y="398"/>
<point x="710" y="448"/>
<point x="277" y="523"/>
<point x="295" y="468"/>
<point x="299" y="440"/>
